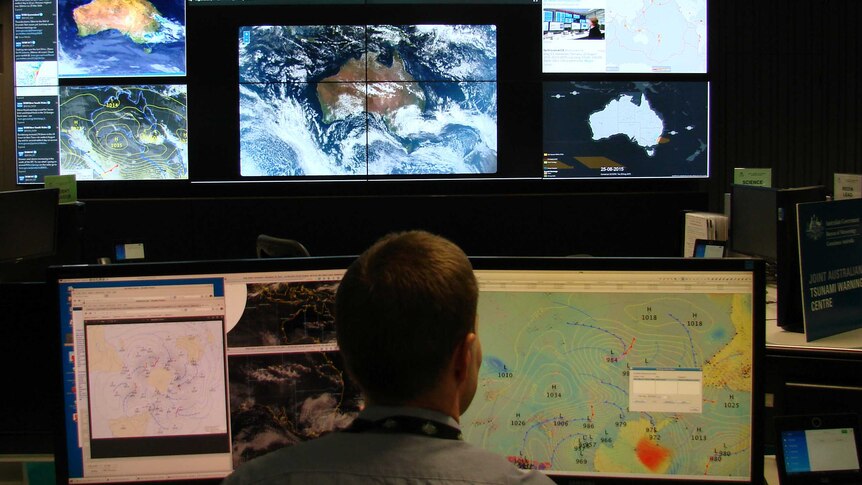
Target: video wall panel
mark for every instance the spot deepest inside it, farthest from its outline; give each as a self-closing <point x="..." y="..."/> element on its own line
<point x="100" y="89"/>
<point x="302" y="91"/>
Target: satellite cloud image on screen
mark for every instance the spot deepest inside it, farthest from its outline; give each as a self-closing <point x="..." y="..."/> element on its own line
<point x="368" y="100"/>
<point x="282" y="399"/>
<point x="98" y="38"/>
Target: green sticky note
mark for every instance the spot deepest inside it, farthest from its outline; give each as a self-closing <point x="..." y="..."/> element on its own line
<point x="40" y="473"/>
<point x="761" y="177"/>
<point x="68" y="187"/>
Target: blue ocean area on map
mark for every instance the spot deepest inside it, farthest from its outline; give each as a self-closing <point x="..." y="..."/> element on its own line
<point x="386" y="100"/>
<point x="110" y="52"/>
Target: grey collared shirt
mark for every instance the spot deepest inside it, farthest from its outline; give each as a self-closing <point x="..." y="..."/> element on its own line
<point x="376" y="458"/>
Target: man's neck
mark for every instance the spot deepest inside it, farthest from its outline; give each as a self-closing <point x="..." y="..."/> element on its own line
<point x="435" y="404"/>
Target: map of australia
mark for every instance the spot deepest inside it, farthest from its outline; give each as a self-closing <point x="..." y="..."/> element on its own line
<point x="140" y="21"/>
<point x="558" y="388"/>
<point x="625" y="116"/>
<point x="121" y="38"/>
<point x="626" y="129"/>
<point x="156" y="379"/>
<point x="350" y="100"/>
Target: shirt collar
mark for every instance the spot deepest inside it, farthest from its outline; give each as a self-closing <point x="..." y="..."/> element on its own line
<point x="376" y="412"/>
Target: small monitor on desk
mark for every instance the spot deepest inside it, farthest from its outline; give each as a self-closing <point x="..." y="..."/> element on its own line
<point x="28" y="233"/>
<point x="825" y="449"/>
<point x="706" y="248"/>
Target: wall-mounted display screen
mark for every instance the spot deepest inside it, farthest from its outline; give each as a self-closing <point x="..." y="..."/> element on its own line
<point x="359" y="90"/>
<point x="136" y="132"/>
<point x="368" y="100"/>
<point x="107" y="38"/>
<point x="75" y="110"/>
<point x="602" y="36"/>
<point x="626" y="129"/>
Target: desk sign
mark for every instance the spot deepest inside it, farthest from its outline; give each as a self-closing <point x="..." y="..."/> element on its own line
<point x="830" y="263"/>
<point x="761" y="177"/>
<point x="847" y="186"/>
<point x="67" y="185"/>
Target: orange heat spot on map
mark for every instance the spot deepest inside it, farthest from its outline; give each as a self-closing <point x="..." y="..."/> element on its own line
<point x="653" y="456"/>
<point x="527" y="464"/>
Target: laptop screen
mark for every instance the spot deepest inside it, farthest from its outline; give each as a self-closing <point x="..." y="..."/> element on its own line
<point x="820" y="450"/>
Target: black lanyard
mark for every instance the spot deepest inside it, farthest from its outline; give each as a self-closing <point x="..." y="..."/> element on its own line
<point x="406" y="424"/>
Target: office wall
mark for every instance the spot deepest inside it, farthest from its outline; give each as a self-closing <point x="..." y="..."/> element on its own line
<point x="785" y="81"/>
<point x="614" y="224"/>
<point x="786" y="78"/>
<point x="786" y="90"/>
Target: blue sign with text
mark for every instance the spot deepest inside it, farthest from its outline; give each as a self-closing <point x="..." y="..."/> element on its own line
<point x="830" y="257"/>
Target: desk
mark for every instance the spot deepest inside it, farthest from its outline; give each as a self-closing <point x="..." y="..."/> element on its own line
<point x="821" y="376"/>
<point x="770" y="470"/>
<point x="777" y="337"/>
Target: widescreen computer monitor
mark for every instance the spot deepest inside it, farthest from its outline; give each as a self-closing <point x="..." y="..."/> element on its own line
<point x="605" y="369"/>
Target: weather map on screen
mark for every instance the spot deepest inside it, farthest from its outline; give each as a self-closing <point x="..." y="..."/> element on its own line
<point x="616" y="383"/>
<point x="611" y="36"/>
<point x="98" y="38"/>
<point x="355" y="100"/>
<point x="174" y="371"/>
<point x="71" y="118"/>
<point x="286" y="313"/>
<point x="285" y="397"/>
<point x="124" y="132"/>
<point x="626" y="129"/>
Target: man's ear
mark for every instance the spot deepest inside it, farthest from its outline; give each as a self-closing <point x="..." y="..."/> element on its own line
<point x="463" y="357"/>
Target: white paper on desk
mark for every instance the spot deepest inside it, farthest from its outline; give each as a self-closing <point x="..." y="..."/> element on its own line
<point x="696" y="227"/>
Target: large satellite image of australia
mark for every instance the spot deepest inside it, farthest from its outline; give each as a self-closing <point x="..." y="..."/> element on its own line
<point x="359" y="100"/>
